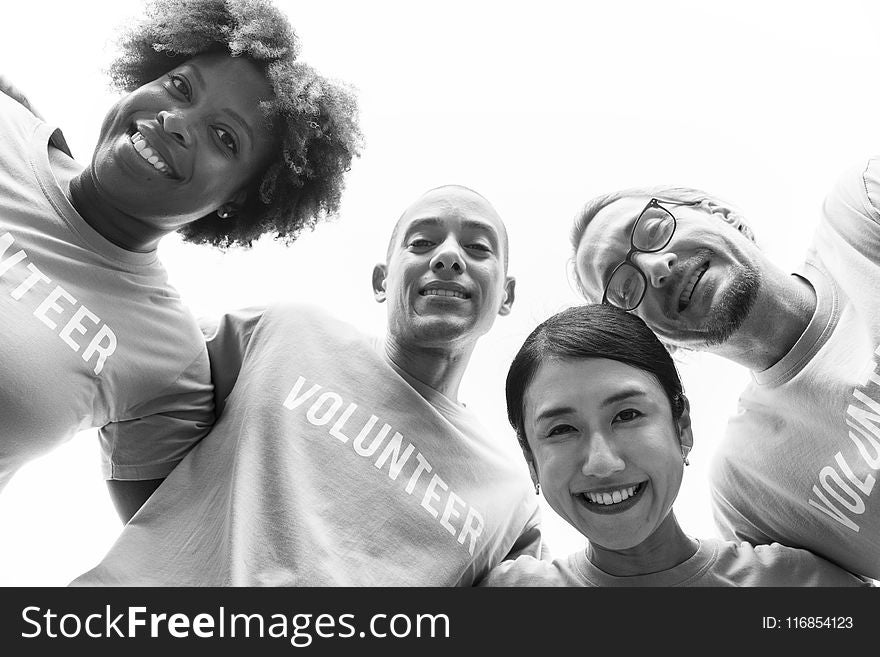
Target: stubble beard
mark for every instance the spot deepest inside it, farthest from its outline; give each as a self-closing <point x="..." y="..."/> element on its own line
<point x="734" y="307"/>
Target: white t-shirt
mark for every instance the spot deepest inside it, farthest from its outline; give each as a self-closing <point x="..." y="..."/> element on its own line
<point x="327" y="466"/>
<point x="715" y="563"/>
<point x="800" y="460"/>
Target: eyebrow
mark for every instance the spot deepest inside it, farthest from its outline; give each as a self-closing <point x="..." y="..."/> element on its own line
<point x="235" y="115"/>
<point x="627" y="393"/>
<point x="553" y="412"/>
<point x="469" y="224"/>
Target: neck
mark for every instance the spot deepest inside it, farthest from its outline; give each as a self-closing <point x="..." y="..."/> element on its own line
<point x="780" y="316"/>
<point x="115" y="226"/>
<point x="666" y="548"/>
<point x="439" y="367"/>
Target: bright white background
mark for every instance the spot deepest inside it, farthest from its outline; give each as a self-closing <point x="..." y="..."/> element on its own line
<point x="539" y="106"/>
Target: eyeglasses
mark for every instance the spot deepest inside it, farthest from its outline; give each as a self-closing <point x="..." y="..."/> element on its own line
<point x="651" y="233"/>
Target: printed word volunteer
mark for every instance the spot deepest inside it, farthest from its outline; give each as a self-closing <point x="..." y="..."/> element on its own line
<point x="838" y="479"/>
<point x="57" y="305"/>
<point x="322" y="409"/>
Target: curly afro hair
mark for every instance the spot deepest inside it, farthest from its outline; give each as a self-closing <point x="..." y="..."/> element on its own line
<point x="315" y="118"/>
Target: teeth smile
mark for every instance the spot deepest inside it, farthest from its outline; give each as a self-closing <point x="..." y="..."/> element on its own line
<point x="440" y="292"/>
<point x="612" y="497"/>
<point x="150" y="155"/>
<point x="685" y="299"/>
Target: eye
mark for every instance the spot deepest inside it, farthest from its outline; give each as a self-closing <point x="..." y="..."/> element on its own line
<point x="561" y="430"/>
<point x="227" y="139"/>
<point x="180" y="84"/>
<point x="480" y="247"/>
<point x="625" y="285"/>
<point x="420" y="243"/>
<point x="628" y="415"/>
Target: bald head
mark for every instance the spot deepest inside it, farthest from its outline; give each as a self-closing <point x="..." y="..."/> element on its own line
<point x="455" y="199"/>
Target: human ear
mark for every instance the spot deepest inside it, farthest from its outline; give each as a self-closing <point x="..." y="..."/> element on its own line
<point x="233" y="205"/>
<point x="509" y="295"/>
<point x="685" y="432"/>
<point x="729" y="216"/>
<point x="380" y="272"/>
<point x="533" y="473"/>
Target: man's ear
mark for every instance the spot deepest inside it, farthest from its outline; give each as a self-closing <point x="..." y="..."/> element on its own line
<point x="685" y="433"/>
<point x="729" y="216"/>
<point x="509" y="295"/>
<point x="380" y="272"/>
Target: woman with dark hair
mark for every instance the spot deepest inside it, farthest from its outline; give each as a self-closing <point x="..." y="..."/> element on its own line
<point x="602" y="419"/>
<point x="223" y="136"/>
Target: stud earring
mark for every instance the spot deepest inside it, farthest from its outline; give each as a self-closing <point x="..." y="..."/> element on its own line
<point x="225" y="212"/>
<point x="537" y="488"/>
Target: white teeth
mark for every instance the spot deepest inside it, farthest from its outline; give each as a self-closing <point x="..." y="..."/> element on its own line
<point x="685" y="297"/>
<point x="614" y="497"/>
<point x="440" y="292"/>
<point x="140" y="145"/>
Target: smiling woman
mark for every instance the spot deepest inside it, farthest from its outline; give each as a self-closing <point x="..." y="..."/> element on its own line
<point x="603" y="422"/>
<point x="222" y="135"/>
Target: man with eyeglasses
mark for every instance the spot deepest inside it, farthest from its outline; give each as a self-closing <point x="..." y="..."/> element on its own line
<point x="799" y="463"/>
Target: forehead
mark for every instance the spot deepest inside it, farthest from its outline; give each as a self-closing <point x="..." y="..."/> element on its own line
<point x="606" y="240"/>
<point x="587" y="379"/>
<point x="452" y="208"/>
<point x="584" y="385"/>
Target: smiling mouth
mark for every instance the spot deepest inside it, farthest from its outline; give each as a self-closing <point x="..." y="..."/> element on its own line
<point x="150" y="155"/>
<point x="687" y="293"/>
<point x="444" y="292"/>
<point x="612" y="500"/>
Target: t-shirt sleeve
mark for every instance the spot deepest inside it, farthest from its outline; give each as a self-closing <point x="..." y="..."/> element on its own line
<point x="162" y="430"/>
<point x="784" y="566"/>
<point x="530" y="541"/>
<point x="525" y="570"/>
<point x="852" y="208"/>
<point x="228" y="337"/>
<point x="728" y="505"/>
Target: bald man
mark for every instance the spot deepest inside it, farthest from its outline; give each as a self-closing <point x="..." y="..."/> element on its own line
<point x="342" y="460"/>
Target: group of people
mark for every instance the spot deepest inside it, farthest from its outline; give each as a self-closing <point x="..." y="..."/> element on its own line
<point x="281" y="446"/>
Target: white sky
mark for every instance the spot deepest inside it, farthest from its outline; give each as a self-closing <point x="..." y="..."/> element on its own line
<point x="539" y="106"/>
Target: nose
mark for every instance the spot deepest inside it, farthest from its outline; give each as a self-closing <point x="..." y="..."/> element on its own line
<point x="448" y="258"/>
<point x="176" y="125"/>
<point x="657" y="267"/>
<point x="600" y="457"/>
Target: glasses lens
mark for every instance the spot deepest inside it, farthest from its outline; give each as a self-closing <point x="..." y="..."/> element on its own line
<point x="626" y="287"/>
<point x="653" y="229"/>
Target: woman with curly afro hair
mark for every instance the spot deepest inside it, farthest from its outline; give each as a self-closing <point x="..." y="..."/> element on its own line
<point x="221" y="135"/>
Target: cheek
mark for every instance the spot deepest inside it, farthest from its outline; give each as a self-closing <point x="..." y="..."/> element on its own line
<point x="554" y="472"/>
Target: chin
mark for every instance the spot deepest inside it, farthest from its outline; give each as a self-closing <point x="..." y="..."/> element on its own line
<point x="618" y="543"/>
<point x="445" y="329"/>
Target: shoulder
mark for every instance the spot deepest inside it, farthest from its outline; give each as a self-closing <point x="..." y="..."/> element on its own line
<point x="526" y="570"/>
<point x="856" y="195"/>
<point x="306" y="315"/>
<point x="778" y="565"/>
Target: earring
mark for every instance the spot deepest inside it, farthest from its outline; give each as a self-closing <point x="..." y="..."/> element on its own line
<point x="225" y="211"/>
<point x="684" y="455"/>
<point x="537" y="488"/>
